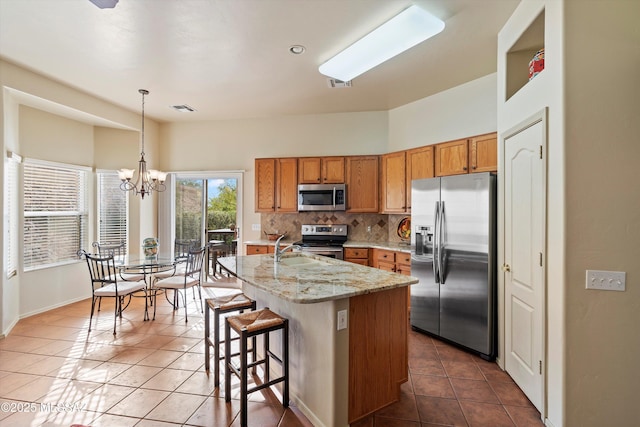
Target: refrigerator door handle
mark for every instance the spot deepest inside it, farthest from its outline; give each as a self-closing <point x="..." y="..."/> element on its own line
<point x="441" y="228"/>
<point x="435" y="243"/>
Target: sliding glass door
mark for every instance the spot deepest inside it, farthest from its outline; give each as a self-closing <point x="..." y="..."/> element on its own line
<point x="208" y="206"/>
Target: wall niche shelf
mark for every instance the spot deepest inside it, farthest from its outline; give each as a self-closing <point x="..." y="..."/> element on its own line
<point x="522" y="51"/>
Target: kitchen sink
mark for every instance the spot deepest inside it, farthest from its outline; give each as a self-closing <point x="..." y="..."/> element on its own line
<point x="300" y="261"/>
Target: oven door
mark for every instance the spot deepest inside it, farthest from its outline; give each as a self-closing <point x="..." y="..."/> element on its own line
<point x="328" y="251"/>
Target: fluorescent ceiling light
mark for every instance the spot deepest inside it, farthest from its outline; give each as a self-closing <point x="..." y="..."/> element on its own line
<point x="412" y="26"/>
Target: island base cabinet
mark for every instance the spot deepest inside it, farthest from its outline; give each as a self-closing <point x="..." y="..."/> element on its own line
<point x="378" y="350"/>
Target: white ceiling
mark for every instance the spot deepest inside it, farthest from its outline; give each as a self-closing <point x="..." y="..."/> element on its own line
<point x="230" y="58"/>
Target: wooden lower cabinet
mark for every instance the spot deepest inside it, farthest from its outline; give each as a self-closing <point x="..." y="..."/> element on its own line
<point x="396" y="261"/>
<point x="378" y="343"/>
<point x="357" y="255"/>
<point x="260" y="249"/>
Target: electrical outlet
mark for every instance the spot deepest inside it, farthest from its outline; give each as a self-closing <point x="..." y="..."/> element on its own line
<point x="342" y="319"/>
<point x="368" y="229"/>
<point x="255" y="227"/>
<point x="606" y="280"/>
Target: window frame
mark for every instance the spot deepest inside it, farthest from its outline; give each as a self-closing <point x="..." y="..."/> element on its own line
<point x="81" y="210"/>
<point x="11" y="213"/>
<point x="100" y="174"/>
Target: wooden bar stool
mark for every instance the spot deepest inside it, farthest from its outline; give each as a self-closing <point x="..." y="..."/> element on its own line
<point x="221" y="305"/>
<point x="249" y="325"/>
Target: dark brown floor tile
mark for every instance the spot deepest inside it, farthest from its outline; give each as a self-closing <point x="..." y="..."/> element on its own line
<point x="477" y="391"/>
<point x="510" y="394"/>
<point x="394" y="422"/>
<point x="485" y="414"/>
<point x="524" y="416"/>
<point x="440" y="411"/>
<point x="404" y="409"/>
<point x="294" y="418"/>
<point x="427" y="385"/>
<point x="462" y="369"/>
<point x="364" y="422"/>
<point x="261" y="414"/>
<point x="500" y="377"/>
<point x="452" y="353"/>
<point x="426" y="367"/>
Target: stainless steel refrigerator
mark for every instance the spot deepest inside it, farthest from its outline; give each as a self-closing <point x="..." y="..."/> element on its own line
<point x="453" y="253"/>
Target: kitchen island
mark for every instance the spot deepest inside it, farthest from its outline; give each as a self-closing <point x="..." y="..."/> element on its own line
<point x="340" y="370"/>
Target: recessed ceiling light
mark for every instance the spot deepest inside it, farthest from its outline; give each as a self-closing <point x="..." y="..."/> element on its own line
<point x="297" y="49"/>
<point x="184" y="108"/>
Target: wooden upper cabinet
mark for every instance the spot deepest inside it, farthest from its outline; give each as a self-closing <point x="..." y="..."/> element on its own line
<point x="265" y="185"/>
<point x="452" y="158"/>
<point x="483" y="153"/>
<point x="419" y="166"/>
<point x="287" y="185"/>
<point x="321" y="170"/>
<point x="393" y="183"/>
<point x="276" y="185"/>
<point x="362" y="183"/>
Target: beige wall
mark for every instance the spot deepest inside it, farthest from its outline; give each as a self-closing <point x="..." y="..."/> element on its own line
<point x="49" y="121"/>
<point x="592" y="50"/>
<point x="460" y="112"/>
<point x="602" y="210"/>
<point x="235" y="144"/>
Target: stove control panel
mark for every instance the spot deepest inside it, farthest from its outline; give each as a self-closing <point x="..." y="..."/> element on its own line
<point x="324" y="230"/>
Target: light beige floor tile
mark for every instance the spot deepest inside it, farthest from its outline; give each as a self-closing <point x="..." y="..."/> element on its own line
<point x="131" y="355"/>
<point x="13" y="381"/>
<point x="189" y="361"/>
<point x="74" y="367"/>
<point x="177" y="408"/>
<point x="139" y="403"/>
<point x="72" y="392"/>
<point x="108" y="420"/>
<point x="35" y="390"/>
<point x="50" y="366"/>
<point x="68" y="418"/>
<point x="136" y="375"/>
<point x="215" y="412"/>
<point x="22" y="344"/>
<point x="154" y="423"/>
<point x="167" y="379"/>
<point x="182" y="343"/>
<point x="160" y="358"/>
<point x="105" y="397"/>
<point x="53" y="347"/>
<point x="103" y="372"/>
<point x="198" y="383"/>
<point x="22" y="419"/>
<point x="13" y="361"/>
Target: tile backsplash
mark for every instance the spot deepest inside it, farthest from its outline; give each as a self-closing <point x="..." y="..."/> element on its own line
<point x="361" y="227"/>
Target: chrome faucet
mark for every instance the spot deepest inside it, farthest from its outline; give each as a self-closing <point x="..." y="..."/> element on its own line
<point x="277" y="256"/>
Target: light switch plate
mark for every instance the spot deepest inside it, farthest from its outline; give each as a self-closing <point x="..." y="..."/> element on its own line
<point x="255" y="227"/>
<point x="342" y="320"/>
<point x="606" y="280"/>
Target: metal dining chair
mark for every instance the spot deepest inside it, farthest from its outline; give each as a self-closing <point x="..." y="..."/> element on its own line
<point x="104" y="284"/>
<point x="118" y="251"/>
<point x="182" y="280"/>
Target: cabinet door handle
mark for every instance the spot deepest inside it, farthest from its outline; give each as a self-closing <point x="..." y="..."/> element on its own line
<point x="464" y="168"/>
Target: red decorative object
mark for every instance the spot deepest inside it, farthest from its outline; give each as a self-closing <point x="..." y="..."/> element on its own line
<point x="536" y="65"/>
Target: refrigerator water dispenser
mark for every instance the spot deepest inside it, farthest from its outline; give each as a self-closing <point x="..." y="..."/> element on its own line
<point x="424" y="240"/>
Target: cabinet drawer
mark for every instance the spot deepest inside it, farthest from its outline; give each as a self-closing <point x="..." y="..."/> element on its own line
<point x="403" y="258"/>
<point x="259" y="249"/>
<point x="387" y="266"/>
<point x="383" y="255"/>
<point x="403" y="269"/>
<point x="362" y="253"/>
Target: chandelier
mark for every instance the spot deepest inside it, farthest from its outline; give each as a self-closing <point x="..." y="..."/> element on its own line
<point x="147" y="181"/>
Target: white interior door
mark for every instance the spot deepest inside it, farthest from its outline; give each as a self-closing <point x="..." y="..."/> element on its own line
<point x="524" y="245"/>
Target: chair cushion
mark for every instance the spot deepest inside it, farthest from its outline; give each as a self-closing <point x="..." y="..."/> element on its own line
<point x="255" y="320"/>
<point x="176" y="282"/>
<point x="124" y="288"/>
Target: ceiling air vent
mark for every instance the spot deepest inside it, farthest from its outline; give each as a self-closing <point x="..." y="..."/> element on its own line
<point x="338" y="83"/>
<point x="183" y="108"/>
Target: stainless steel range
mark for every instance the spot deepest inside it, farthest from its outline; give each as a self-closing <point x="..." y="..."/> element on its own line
<point x="324" y="240"/>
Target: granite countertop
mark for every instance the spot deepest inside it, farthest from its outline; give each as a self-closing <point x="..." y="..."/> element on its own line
<point x="393" y="246"/>
<point x="306" y="279"/>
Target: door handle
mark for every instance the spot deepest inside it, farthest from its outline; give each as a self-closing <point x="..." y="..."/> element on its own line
<point x="506" y="268"/>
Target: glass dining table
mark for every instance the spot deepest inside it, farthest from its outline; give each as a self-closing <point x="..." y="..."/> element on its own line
<point x="147" y="266"/>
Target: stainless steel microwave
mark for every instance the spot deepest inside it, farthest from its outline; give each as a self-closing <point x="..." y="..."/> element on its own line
<point x="321" y="197"/>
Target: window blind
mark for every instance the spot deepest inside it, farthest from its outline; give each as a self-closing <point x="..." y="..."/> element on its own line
<point x="113" y="210"/>
<point x="55" y="213"/>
